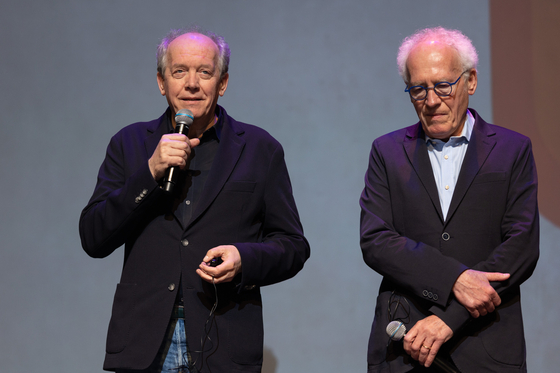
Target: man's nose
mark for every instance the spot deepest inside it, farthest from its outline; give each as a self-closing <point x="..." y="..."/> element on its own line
<point x="191" y="82"/>
<point x="432" y="98"/>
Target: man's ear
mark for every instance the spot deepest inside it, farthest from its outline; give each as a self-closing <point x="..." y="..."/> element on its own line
<point x="472" y="82"/>
<point x="223" y="84"/>
<point x="161" y="84"/>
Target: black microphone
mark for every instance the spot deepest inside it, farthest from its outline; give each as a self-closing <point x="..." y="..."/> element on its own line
<point x="183" y="120"/>
<point x="396" y="331"/>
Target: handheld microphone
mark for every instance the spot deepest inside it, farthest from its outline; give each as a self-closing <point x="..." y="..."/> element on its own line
<point x="183" y="120"/>
<point x="396" y="331"/>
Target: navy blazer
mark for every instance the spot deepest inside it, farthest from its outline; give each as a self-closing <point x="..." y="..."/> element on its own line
<point x="247" y="202"/>
<point x="492" y="225"/>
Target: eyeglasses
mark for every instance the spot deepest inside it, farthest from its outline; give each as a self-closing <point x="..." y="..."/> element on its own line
<point x="442" y="89"/>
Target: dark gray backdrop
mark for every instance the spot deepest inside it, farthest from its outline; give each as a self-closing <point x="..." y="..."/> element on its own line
<point x="320" y="76"/>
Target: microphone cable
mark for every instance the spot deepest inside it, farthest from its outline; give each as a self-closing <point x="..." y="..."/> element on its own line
<point x="205" y="334"/>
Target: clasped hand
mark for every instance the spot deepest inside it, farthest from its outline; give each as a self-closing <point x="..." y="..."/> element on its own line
<point x="172" y="150"/>
<point x="226" y="271"/>
<point x="425" y="338"/>
<point x="473" y="290"/>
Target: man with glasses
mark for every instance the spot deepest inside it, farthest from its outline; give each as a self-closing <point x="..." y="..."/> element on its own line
<point x="450" y="219"/>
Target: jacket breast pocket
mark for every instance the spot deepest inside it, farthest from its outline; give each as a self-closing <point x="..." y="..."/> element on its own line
<point x="240" y="186"/>
<point x="490" y="177"/>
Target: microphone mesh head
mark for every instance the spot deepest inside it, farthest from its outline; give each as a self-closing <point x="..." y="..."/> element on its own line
<point x="396" y="330"/>
<point x="184" y="116"/>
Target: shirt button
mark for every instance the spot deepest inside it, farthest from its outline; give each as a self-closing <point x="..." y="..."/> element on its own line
<point x="185" y="242"/>
<point x="171" y="287"/>
<point x="445" y="236"/>
<point x="447" y="187"/>
<point x="446" y="157"/>
<point x="188" y="202"/>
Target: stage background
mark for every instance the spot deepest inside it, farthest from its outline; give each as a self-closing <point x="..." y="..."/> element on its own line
<point x="320" y="76"/>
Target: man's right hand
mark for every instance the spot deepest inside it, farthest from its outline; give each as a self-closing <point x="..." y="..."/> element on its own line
<point x="473" y="290"/>
<point x="173" y="150"/>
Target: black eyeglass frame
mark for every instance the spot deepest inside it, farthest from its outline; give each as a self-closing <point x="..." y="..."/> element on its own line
<point x="426" y="89"/>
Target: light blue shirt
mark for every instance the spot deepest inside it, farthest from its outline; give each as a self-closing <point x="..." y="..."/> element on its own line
<point x="447" y="158"/>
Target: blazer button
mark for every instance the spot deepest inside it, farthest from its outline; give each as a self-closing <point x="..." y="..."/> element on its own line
<point x="185" y="242"/>
<point x="445" y="236"/>
<point x="171" y="287"/>
<point x="425" y="293"/>
<point x="435" y="297"/>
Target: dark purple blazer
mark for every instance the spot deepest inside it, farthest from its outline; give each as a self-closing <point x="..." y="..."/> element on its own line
<point x="492" y="225"/>
<point x="247" y="202"/>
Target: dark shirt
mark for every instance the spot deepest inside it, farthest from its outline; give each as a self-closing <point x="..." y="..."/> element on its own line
<point x="193" y="178"/>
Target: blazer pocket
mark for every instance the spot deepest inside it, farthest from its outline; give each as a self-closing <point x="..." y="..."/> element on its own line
<point x="490" y="177"/>
<point x="118" y="334"/>
<point x="240" y="186"/>
<point x="245" y="331"/>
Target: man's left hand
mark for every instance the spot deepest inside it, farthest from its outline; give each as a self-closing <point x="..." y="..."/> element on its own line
<point x="473" y="290"/>
<point x="424" y="340"/>
<point x="226" y="271"/>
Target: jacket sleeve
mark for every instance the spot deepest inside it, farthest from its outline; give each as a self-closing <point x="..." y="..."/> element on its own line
<point x="124" y="195"/>
<point x="283" y="249"/>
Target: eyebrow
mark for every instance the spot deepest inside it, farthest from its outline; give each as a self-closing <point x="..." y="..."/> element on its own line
<point x="185" y="65"/>
<point x="423" y="84"/>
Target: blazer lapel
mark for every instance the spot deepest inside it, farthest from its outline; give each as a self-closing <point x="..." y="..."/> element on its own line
<point x="417" y="152"/>
<point x="155" y="132"/>
<point x="480" y="146"/>
<point x="229" y="151"/>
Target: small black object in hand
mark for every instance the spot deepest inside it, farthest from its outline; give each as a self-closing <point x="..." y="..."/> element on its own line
<point x="215" y="262"/>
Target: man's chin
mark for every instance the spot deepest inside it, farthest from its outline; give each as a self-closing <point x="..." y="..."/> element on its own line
<point x="437" y="131"/>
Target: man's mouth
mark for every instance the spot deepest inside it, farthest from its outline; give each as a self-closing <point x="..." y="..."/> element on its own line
<point x="435" y="115"/>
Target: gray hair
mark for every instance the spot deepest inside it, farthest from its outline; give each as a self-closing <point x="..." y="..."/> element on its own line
<point x="223" y="48"/>
<point x="468" y="57"/>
